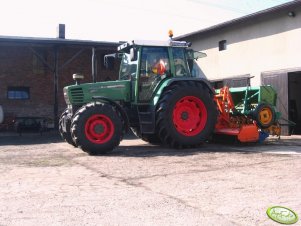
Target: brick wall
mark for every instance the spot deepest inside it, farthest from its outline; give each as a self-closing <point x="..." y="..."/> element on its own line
<point x="20" y="68"/>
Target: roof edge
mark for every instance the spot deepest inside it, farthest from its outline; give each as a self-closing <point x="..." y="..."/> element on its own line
<point x="55" y="41"/>
<point x="242" y="19"/>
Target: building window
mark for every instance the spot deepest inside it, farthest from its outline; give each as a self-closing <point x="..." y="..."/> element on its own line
<point x="18" y="93"/>
<point x="222" y="45"/>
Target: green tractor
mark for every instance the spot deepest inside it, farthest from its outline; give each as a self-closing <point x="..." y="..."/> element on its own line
<point x="155" y="96"/>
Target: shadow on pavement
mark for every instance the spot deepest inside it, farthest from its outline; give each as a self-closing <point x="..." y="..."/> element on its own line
<point x="284" y="146"/>
<point x="148" y="150"/>
<point x="29" y="138"/>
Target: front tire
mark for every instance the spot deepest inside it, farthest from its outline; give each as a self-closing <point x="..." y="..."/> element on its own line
<point x="66" y="135"/>
<point x="97" y="128"/>
<point x="186" y="115"/>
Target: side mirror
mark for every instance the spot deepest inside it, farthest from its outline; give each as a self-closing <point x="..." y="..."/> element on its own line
<point x="193" y="55"/>
<point x="109" y="61"/>
<point x="133" y="54"/>
<point x="197" y="55"/>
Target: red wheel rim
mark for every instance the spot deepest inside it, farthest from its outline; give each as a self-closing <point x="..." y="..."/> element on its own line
<point x="99" y="129"/>
<point x="189" y="116"/>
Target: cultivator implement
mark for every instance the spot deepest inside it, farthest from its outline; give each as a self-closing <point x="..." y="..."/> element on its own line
<point x="247" y="113"/>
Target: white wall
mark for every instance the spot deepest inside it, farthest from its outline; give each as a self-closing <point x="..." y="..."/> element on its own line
<point x="267" y="44"/>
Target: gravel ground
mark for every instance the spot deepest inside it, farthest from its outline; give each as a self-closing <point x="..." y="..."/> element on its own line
<point x="44" y="181"/>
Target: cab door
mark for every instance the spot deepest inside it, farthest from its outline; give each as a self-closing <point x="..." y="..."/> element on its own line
<point x="154" y="67"/>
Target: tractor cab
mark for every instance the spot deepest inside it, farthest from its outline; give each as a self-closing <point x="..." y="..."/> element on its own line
<point x="148" y="63"/>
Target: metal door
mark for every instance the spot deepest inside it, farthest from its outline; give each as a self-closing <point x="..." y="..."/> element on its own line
<point x="279" y="81"/>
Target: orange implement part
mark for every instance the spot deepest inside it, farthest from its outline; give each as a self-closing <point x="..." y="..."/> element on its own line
<point x="227" y="131"/>
<point x="224" y="103"/>
<point x="241" y="126"/>
<point x="248" y="133"/>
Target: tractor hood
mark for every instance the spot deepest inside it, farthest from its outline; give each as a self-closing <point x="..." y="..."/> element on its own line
<point x="84" y="93"/>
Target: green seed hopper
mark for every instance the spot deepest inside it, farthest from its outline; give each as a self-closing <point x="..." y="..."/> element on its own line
<point x="246" y="99"/>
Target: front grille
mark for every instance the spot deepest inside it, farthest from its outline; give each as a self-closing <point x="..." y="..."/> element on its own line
<point x="77" y="95"/>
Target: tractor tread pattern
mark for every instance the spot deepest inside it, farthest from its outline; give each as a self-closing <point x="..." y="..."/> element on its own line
<point x="164" y="127"/>
<point x="66" y="135"/>
<point x="78" y="123"/>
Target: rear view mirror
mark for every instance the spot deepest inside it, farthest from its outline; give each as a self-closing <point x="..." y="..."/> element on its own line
<point x="133" y="54"/>
<point x="109" y="61"/>
<point x="193" y="55"/>
<point x="197" y="55"/>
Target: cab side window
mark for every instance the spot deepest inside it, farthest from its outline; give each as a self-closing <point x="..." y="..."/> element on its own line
<point x="180" y="62"/>
<point x="154" y="67"/>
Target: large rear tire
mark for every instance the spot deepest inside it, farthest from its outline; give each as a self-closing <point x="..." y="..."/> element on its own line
<point x="97" y="128"/>
<point x="66" y="116"/>
<point x="186" y="115"/>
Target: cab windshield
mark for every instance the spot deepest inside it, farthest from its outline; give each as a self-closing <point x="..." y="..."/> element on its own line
<point x="128" y="68"/>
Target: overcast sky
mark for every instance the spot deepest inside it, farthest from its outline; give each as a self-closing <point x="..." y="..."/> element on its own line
<point x="115" y="20"/>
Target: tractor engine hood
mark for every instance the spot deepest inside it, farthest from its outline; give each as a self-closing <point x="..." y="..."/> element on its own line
<point x="84" y="93"/>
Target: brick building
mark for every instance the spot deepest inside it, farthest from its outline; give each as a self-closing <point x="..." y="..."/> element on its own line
<point x="33" y="72"/>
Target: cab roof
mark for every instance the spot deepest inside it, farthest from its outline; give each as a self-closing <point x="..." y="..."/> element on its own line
<point x="170" y="43"/>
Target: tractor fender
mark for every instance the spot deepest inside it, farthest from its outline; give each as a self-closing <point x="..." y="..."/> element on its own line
<point x="171" y="81"/>
<point x="118" y="107"/>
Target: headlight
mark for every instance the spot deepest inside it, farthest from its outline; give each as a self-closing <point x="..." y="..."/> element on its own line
<point x="66" y="96"/>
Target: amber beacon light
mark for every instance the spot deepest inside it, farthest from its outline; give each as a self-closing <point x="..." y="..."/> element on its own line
<point x="170" y="33"/>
